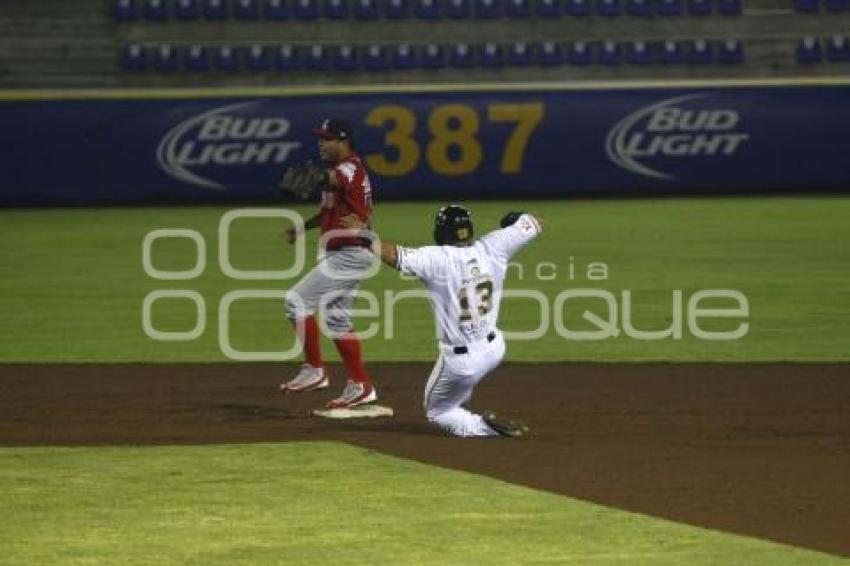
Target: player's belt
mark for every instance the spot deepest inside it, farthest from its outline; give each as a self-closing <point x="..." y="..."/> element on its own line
<point x="359" y="243"/>
<point x="464" y="349"/>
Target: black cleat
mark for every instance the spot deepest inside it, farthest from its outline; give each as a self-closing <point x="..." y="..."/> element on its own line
<point x="503" y="426"/>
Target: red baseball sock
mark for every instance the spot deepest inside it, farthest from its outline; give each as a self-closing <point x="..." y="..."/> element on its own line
<point x="310" y="339"/>
<point x="349" y="350"/>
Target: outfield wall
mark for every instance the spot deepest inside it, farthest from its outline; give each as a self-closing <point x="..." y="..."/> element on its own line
<point x="133" y="147"/>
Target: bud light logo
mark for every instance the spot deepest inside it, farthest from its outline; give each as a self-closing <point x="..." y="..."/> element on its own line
<point x="673" y="129"/>
<point x="230" y="136"/>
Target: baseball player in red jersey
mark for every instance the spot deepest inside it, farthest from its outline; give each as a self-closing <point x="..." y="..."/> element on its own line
<point x="342" y="263"/>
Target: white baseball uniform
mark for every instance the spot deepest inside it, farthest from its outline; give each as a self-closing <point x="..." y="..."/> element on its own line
<point x="465" y="288"/>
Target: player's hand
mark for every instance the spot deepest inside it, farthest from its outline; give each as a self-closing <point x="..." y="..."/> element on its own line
<point x="352" y="222"/>
<point x="291" y="234"/>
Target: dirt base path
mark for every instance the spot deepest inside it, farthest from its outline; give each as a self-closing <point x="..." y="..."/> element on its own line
<point x="755" y="449"/>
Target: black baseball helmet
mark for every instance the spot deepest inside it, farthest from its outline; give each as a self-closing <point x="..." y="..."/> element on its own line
<point x="453" y="226"/>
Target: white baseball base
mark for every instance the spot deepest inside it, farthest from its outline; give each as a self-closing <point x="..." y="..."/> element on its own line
<point x="358" y="412"/>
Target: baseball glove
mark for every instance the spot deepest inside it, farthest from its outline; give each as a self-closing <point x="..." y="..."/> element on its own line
<point x="303" y="180"/>
<point x="510" y="218"/>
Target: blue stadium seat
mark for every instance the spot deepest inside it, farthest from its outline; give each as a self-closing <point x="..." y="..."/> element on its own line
<point x="639" y="53"/>
<point x="155" y="10"/>
<point x="520" y="54"/>
<point x="577" y="7"/>
<point x="669" y="7"/>
<point x="246" y="9"/>
<point x="488" y="9"/>
<point x="125" y="10"/>
<point x="225" y="58"/>
<point x="258" y="58"/>
<point x="426" y="9"/>
<point x="730" y="7"/>
<point x="165" y="58"/>
<point x="490" y="55"/>
<point x="336" y="9"/>
<point x="134" y="57"/>
<point x="345" y="58"/>
<point x="610" y="53"/>
<point x="462" y="56"/>
<point x="215" y="10"/>
<point x="432" y="56"/>
<point x="730" y="52"/>
<point x="550" y="54"/>
<point x="288" y="58"/>
<point x="457" y="9"/>
<point x="366" y="9"/>
<point x="699" y="7"/>
<point x="836" y="5"/>
<point x="196" y="58"/>
<point x="608" y="7"/>
<point x="318" y="58"/>
<point x="376" y="58"/>
<point x="809" y="50"/>
<point x="519" y="8"/>
<point x="670" y="52"/>
<point x="807" y="6"/>
<point x="550" y="8"/>
<point x="640" y="8"/>
<point x="306" y="10"/>
<point x="700" y="52"/>
<point x="396" y="9"/>
<point x="404" y="57"/>
<point x="186" y="10"/>
<point x="275" y="10"/>
<point x="838" y="49"/>
<point x="579" y="53"/>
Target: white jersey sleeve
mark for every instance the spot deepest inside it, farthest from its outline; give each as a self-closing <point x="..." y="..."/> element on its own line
<point x="505" y="242"/>
<point x="420" y="262"/>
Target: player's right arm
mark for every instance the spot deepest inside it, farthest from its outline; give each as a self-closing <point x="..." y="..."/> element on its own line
<point x="411" y="261"/>
<point x="292" y="234"/>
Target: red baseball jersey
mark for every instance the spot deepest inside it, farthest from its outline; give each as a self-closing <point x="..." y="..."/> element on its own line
<point x="352" y="195"/>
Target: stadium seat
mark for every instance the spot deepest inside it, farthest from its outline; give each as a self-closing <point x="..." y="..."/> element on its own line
<point x="134" y="57"/>
<point x="396" y="9"/>
<point x="306" y="10"/>
<point x="376" y="58"/>
<point x="336" y="9"/>
<point x="699" y="7"/>
<point x="730" y="52"/>
<point x="640" y="8"/>
<point x="520" y="54"/>
<point x="225" y="58"/>
<point x="577" y="7"/>
<point x="838" y="49"/>
<point x="345" y="58"/>
<point x="317" y="58"/>
<point x="549" y="8"/>
<point x="186" y="10"/>
<point x="258" y="58"/>
<point x="462" y="56"/>
<point x="807" y="6"/>
<point x="608" y="7"/>
<point x="275" y="10"/>
<point x="488" y="9"/>
<point x="246" y="9"/>
<point x="366" y="9"/>
<point x="639" y="53"/>
<point x="729" y="7"/>
<point x="550" y="54"/>
<point x="165" y="58"/>
<point x="490" y="56"/>
<point x="699" y="52"/>
<point x="196" y="58"/>
<point x="669" y="7"/>
<point x="610" y="53"/>
<point x="457" y="9"/>
<point x="671" y="53"/>
<point x="404" y="57"/>
<point x="433" y="56"/>
<point x="519" y="8"/>
<point x="288" y="58"/>
<point x="426" y="9"/>
<point x="579" y="53"/>
<point x="836" y="5"/>
<point x="215" y="10"/>
<point x="809" y="50"/>
<point x="155" y="10"/>
<point x="125" y="10"/>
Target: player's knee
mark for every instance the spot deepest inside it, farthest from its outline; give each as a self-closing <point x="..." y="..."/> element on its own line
<point x="294" y="306"/>
<point x="338" y="324"/>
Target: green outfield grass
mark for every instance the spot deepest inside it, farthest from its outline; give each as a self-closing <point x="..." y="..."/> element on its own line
<point x="319" y="503"/>
<point x="72" y="283"/>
